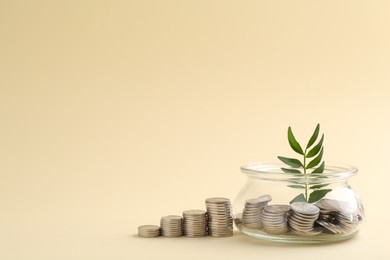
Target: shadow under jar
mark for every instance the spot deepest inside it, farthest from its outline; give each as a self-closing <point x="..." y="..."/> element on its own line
<point x="326" y="208"/>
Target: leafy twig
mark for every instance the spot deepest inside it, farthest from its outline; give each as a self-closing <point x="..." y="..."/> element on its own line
<point x="301" y="168"/>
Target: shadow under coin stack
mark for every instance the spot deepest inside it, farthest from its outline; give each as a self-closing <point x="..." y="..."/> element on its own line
<point x="195" y="223"/>
<point x="251" y="215"/>
<point x="303" y="218"/>
<point x="336" y="217"/>
<point x="219" y="211"/>
<point x="148" y="231"/>
<point x="172" y="226"/>
<point x="274" y="218"/>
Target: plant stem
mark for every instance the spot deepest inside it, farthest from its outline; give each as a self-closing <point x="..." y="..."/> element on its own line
<point x="304" y="172"/>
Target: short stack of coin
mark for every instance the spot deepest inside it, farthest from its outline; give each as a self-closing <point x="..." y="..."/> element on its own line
<point x="275" y="219"/>
<point x="148" y="231"/>
<point x="220" y="221"/>
<point x="349" y="222"/>
<point x="336" y="217"/>
<point x="251" y="217"/>
<point x="195" y="223"/>
<point x="172" y="226"/>
<point x="303" y="218"/>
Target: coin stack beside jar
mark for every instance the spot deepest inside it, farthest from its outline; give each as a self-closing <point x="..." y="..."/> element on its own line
<point x="220" y="221"/>
<point x="275" y="218"/>
<point x="195" y="223"/>
<point x="251" y="217"/>
<point x="148" y="231"/>
<point x="303" y="218"/>
<point x="172" y="226"/>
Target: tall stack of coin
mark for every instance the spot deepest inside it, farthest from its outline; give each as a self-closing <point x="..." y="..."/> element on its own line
<point x="195" y="223"/>
<point x="251" y="217"/>
<point x="337" y="217"/>
<point x="172" y="226"/>
<point x="219" y="211"/>
<point x="328" y="216"/>
<point x="275" y="218"/>
<point x="303" y="218"/>
<point x="148" y="231"/>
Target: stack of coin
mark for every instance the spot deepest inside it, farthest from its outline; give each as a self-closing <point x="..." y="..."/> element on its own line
<point x="337" y="217"/>
<point x="172" y="226"/>
<point x="275" y="218"/>
<point x="328" y="216"/>
<point x="195" y="223"/>
<point x="148" y="231"/>
<point x="349" y="223"/>
<point x="251" y="217"/>
<point x="303" y="218"/>
<point x="219" y="212"/>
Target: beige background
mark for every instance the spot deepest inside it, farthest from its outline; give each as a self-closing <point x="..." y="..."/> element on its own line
<point x="115" y="113"/>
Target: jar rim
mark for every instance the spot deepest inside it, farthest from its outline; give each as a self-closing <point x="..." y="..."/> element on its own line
<point x="272" y="171"/>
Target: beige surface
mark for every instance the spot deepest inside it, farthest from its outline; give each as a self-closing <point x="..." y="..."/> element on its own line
<point x="115" y="113"/>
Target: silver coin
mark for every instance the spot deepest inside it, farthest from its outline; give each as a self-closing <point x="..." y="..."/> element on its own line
<point x="221" y="235"/>
<point x="194" y="212"/>
<point x="257" y="218"/>
<point x="329" y="204"/>
<point x="219" y="225"/>
<point x="148" y="231"/>
<point x="314" y="232"/>
<point x="249" y="212"/>
<point x="254" y="206"/>
<point x="274" y="225"/>
<point x="218" y="206"/>
<point x="194" y="220"/>
<point x="336" y="229"/>
<point x="305" y="208"/>
<point x="172" y="218"/>
<point x="247" y="220"/>
<point x="218" y="200"/>
<point x="220" y="212"/>
<point x="276" y="209"/>
<point x="260" y="200"/>
<point x="300" y="228"/>
<point x="304" y="217"/>
<point x="334" y="205"/>
<point x="267" y="216"/>
<point x="276" y="231"/>
<point x="220" y="218"/>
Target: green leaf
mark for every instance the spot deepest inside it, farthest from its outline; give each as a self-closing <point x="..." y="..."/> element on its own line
<point x="313" y="138"/>
<point x="291" y="162"/>
<point x="316" y="148"/>
<point x="319" y="169"/>
<point x="316" y="160"/>
<point x="287" y="170"/>
<point x="293" y="142"/>
<point x="319" y="186"/>
<point x="296" y="186"/>
<point x="299" y="198"/>
<point x="317" y="195"/>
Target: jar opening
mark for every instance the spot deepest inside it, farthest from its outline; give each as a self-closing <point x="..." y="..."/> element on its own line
<point x="334" y="172"/>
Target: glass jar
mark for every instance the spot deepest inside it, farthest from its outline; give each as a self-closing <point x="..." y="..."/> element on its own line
<point x="298" y="208"/>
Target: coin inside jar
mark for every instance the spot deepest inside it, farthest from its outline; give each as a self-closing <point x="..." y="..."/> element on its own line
<point x="305" y="208"/>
